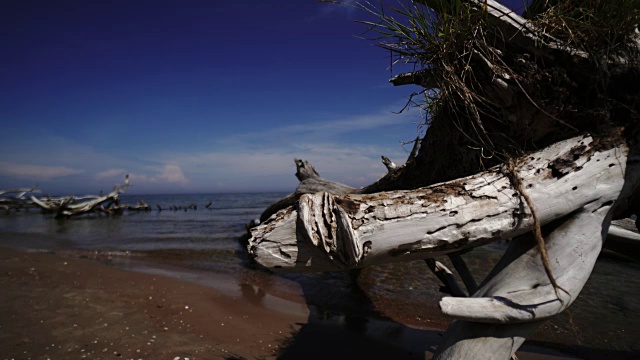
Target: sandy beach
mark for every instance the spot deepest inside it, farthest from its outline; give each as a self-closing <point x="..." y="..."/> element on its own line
<point x="61" y="308"/>
<point x="54" y="306"/>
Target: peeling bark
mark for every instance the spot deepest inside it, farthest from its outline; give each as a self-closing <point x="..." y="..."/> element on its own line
<point x="310" y="182"/>
<point x="517" y="294"/>
<point x="335" y="232"/>
<point x="575" y="186"/>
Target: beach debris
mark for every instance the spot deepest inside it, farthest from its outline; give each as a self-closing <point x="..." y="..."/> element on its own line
<point x="70" y="206"/>
<point x="339" y="232"/>
<point x="19" y="201"/>
<point x="192" y="206"/>
<point x="522" y="145"/>
<point x="328" y="232"/>
<point x="66" y="207"/>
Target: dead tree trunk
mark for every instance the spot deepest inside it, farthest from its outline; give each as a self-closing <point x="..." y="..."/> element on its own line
<point x="326" y="232"/>
<point x="310" y="182"/>
<point x="575" y="188"/>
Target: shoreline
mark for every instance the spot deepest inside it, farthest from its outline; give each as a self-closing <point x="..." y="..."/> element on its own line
<point x="61" y="306"/>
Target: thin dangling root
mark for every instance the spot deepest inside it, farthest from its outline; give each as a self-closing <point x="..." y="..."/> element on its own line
<point x="537" y="231"/>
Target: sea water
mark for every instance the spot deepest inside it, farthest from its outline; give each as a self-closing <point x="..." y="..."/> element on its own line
<point x="215" y="227"/>
<point x="203" y="245"/>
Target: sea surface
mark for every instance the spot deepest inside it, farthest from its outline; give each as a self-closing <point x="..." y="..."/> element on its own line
<point x="395" y="302"/>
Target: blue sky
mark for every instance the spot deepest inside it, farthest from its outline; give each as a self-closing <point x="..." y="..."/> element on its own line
<point x="192" y="96"/>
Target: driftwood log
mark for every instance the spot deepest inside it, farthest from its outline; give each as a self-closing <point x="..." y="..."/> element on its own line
<point x="310" y="182"/>
<point x="576" y="187"/>
<point x="73" y="206"/>
<point x="337" y="232"/>
<point x="68" y="206"/>
<point x="15" y="199"/>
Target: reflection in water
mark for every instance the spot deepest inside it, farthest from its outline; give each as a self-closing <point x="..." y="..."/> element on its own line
<point x="344" y="324"/>
<point x="62" y="225"/>
<point x="253" y="294"/>
<point x="338" y="336"/>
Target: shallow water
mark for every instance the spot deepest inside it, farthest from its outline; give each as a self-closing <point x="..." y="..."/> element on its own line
<point x="202" y="246"/>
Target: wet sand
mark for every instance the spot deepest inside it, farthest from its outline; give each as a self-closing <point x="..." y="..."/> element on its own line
<point x="60" y="307"/>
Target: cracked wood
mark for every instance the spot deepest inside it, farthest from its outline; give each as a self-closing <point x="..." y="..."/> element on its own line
<point x="327" y="232"/>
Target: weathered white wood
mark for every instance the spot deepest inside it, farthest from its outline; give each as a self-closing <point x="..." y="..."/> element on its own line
<point x="518" y="293"/>
<point x="310" y="182"/>
<point x="522" y="292"/>
<point x="624" y="238"/>
<point x="17" y="201"/>
<point x="622" y="233"/>
<point x="20" y="191"/>
<point x="342" y="232"/>
<point x="69" y="206"/>
<point x="446" y="277"/>
<point x="390" y="165"/>
<point x="466" y="340"/>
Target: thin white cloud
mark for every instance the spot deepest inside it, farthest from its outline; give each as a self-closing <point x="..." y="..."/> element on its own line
<point x="323" y="130"/>
<point x="341" y="149"/>
<point x="353" y="165"/>
<point x="331" y="7"/>
<point x="35" y="172"/>
<point x="172" y="174"/>
<point x="167" y="174"/>
<point x="111" y="173"/>
<point x="345" y="149"/>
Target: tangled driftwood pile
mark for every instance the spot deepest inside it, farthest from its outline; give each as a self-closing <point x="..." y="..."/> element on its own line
<point x="74" y="206"/>
<point x="70" y="206"/>
<point x="16" y="199"/>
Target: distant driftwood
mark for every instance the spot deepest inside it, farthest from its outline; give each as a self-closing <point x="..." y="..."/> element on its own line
<point x="17" y="200"/>
<point x="73" y="206"/>
<point x="69" y="206"/>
